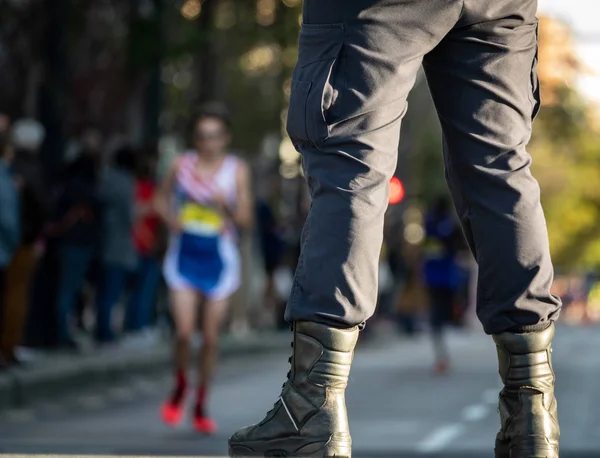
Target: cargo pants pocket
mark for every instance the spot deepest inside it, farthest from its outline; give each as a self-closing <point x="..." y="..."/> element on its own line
<point x="314" y="87"/>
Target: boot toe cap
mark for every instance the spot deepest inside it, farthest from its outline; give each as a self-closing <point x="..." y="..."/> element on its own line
<point x="241" y="435"/>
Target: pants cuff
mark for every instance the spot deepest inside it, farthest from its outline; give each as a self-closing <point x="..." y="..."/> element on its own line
<point x="524" y="329"/>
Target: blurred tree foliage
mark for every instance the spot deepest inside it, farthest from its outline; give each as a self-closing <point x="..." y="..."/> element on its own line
<point x="122" y="58"/>
<point x="566" y="161"/>
<point x="241" y="53"/>
<point x="422" y="142"/>
<point x="138" y="67"/>
<point x="565" y="147"/>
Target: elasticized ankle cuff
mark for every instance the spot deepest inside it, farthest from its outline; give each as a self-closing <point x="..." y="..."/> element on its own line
<point x="524" y="329"/>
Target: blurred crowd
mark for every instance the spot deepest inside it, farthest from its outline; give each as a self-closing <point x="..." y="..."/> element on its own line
<point x="90" y="224"/>
<point x="580" y="293"/>
<point x="81" y="250"/>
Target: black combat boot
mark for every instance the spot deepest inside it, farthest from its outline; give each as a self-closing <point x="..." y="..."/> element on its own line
<point x="528" y="416"/>
<point x="309" y="419"/>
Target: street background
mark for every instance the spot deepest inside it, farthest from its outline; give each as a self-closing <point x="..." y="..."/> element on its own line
<point x="397" y="406"/>
<point x="82" y="79"/>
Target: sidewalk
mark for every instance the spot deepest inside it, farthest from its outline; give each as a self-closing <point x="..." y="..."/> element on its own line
<point x="54" y="373"/>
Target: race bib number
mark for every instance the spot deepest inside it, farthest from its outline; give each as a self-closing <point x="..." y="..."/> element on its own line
<point x="200" y="219"/>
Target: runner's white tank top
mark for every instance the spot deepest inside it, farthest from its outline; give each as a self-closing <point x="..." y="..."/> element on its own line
<point x="204" y="256"/>
<point x="204" y="190"/>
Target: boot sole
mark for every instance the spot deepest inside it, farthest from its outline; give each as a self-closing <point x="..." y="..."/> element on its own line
<point x="291" y="447"/>
<point x="534" y="449"/>
<point x="239" y="453"/>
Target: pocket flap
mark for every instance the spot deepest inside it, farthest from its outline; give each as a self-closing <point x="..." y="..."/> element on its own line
<point x="319" y="42"/>
<point x="296" y="120"/>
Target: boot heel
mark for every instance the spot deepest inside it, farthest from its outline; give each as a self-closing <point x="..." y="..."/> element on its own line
<point x="534" y="447"/>
<point x="338" y="450"/>
<point x="527" y="406"/>
<point x="331" y="449"/>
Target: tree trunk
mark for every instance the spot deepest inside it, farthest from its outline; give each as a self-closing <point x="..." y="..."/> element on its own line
<point x="154" y="90"/>
<point x="206" y="61"/>
<point x="53" y="92"/>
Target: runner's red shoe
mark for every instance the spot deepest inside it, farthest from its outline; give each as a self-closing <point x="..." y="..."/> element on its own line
<point x="172" y="410"/>
<point x="172" y="414"/>
<point x="204" y="425"/>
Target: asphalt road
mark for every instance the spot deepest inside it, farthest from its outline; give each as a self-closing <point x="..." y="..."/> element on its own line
<point x="398" y="408"/>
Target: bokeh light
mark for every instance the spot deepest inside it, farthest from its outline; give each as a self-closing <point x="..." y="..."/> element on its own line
<point x="414" y="233"/>
<point x="396" y="191"/>
<point x="260" y="59"/>
<point x="191" y="9"/>
<point x="265" y="12"/>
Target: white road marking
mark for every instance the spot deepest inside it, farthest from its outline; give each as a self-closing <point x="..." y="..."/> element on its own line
<point x="441" y="438"/>
<point x="475" y="412"/>
<point x="384" y="429"/>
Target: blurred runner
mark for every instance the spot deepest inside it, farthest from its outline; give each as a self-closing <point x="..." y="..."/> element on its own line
<point x="204" y="198"/>
<point x="442" y="274"/>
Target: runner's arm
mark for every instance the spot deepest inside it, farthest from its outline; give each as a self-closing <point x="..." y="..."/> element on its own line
<point x="243" y="214"/>
<point x="162" y="199"/>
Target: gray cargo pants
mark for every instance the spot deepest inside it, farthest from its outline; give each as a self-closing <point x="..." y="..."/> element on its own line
<point x="358" y="60"/>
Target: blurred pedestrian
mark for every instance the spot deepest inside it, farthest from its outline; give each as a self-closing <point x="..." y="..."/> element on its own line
<point x="441" y="273"/>
<point x="9" y="230"/>
<point x="394" y="239"/>
<point x="78" y="226"/>
<point x="393" y="235"/>
<point x="272" y="243"/>
<point x="147" y="239"/>
<point x="204" y="199"/>
<point x="28" y="136"/>
<point x="357" y="62"/>
<point x="117" y="252"/>
<point x="90" y="143"/>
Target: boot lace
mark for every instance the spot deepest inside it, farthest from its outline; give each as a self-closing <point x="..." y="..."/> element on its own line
<point x="288" y="377"/>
